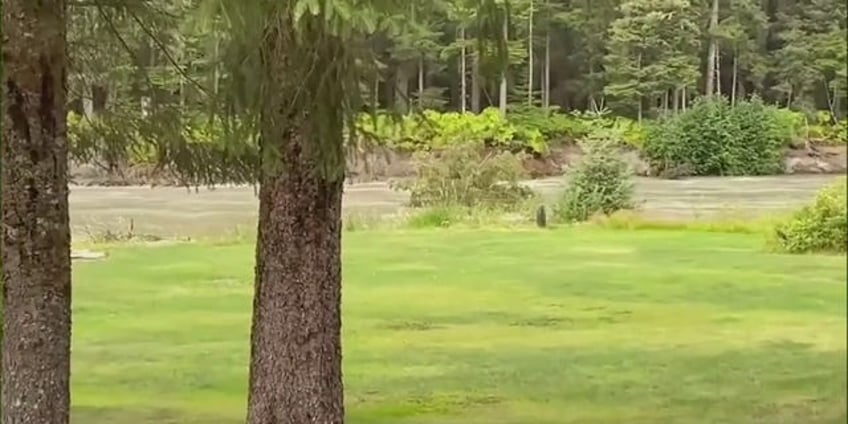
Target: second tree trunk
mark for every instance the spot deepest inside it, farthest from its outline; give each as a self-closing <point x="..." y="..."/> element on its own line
<point x="295" y="368"/>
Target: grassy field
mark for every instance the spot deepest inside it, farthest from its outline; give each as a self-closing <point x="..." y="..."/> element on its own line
<point x="485" y="327"/>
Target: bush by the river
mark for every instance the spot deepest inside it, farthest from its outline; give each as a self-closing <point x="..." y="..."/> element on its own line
<point x="466" y="176"/>
<point x="715" y="138"/>
<point x="600" y="184"/>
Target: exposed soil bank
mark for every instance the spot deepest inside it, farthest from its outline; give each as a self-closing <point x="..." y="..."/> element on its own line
<point x="385" y="165"/>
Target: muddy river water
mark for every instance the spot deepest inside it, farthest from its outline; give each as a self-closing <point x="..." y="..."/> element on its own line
<point x="168" y="211"/>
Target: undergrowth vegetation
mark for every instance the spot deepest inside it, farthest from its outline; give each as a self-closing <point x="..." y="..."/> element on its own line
<point x="819" y="227"/>
<point x="466" y="176"/>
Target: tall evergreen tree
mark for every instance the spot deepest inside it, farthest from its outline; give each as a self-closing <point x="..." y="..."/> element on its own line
<point x="36" y="235"/>
<point x="309" y="65"/>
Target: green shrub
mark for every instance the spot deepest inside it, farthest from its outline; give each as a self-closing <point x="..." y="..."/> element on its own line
<point x="466" y="176"/>
<point x="622" y="131"/>
<point x="549" y="122"/>
<point x="834" y="133"/>
<point x="436" y="217"/>
<point x="820" y="128"/>
<point x="715" y="138"/>
<point x="432" y="130"/>
<point x="819" y="227"/>
<point x="601" y="126"/>
<point x="792" y="123"/>
<point x="839" y="133"/>
<point x="600" y="183"/>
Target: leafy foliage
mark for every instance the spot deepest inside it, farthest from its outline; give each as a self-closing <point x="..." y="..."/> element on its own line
<point x="527" y="129"/>
<point x="821" y="226"/>
<point x="839" y="132"/>
<point x="827" y="130"/>
<point x="715" y="138"/>
<point x="549" y="122"/>
<point x="466" y="176"/>
<point x="105" y="141"/>
<point x="651" y="52"/>
<point x="600" y="125"/>
<point x="114" y="141"/>
<point x="600" y="183"/>
<point x="432" y="130"/>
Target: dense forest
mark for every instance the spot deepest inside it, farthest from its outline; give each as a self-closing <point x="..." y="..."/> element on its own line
<point x="146" y="73"/>
<point x="635" y="57"/>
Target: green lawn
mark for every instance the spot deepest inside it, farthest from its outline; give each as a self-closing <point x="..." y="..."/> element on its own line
<point x="485" y="327"/>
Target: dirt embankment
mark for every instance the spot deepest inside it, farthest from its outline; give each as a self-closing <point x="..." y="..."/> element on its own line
<point x="385" y="164"/>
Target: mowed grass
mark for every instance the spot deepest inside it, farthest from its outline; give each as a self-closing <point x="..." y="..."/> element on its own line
<point x="485" y="327"/>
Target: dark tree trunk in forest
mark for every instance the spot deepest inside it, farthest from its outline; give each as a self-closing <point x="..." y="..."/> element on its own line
<point x="402" y="102"/>
<point x="36" y="236"/>
<point x="295" y="364"/>
<point x="475" y="82"/>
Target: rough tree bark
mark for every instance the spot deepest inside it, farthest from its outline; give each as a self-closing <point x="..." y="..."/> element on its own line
<point x="295" y="367"/>
<point x="36" y="235"/>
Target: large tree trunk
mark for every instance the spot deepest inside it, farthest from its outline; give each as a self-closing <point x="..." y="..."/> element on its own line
<point x="36" y="236"/>
<point x="295" y="363"/>
<point x="295" y="367"/>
